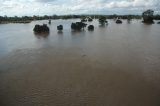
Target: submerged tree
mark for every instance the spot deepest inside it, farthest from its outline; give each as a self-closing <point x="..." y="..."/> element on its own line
<point x="90" y="27"/>
<point x="102" y="20"/>
<point x="118" y="21"/>
<point x="83" y="19"/>
<point x="78" y="26"/>
<point x="148" y="16"/>
<point x="60" y="27"/>
<point x="49" y="22"/>
<point x="90" y="19"/>
<point x="41" y="28"/>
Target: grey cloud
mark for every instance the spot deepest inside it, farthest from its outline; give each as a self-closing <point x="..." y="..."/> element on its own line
<point x="23" y="7"/>
<point x="45" y="1"/>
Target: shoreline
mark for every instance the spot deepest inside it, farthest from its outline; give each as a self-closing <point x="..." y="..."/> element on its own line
<point x="7" y="22"/>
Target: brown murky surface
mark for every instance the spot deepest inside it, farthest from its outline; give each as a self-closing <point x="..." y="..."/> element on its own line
<point x="116" y="65"/>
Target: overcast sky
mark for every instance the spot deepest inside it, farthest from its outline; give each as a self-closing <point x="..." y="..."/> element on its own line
<point x="63" y="7"/>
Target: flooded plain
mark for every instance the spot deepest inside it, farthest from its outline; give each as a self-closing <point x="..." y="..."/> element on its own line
<point x="114" y="65"/>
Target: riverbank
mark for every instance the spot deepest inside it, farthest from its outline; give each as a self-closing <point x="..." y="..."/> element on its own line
<point x="7" y="22"/>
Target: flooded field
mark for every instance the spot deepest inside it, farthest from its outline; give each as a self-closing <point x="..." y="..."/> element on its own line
<point x="114" y="65"/>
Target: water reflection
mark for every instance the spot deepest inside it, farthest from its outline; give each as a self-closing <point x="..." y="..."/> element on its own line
<point x="41" y="35"/>
<point x="60" y="32"/>
<point x="90" y="30"/>
<point x="75" y="32"/>
<point x="148" y="23"/>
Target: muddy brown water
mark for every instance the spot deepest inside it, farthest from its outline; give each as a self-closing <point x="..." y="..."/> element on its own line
<point x="114" y="65"/>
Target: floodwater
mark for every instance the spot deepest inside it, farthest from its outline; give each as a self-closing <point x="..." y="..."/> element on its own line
<point x="114" y="65"/>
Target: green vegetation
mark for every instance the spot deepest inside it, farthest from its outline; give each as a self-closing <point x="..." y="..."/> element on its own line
<point x="83" y="20"/>
<point x="49" y="22"/>
<point x="41" y="28"/>
<point x="90" y="27"/>
<point x="27" y="19"/>
<point x="78" y="26"/>
<point x="90" y="19"/>
<point x="15" y="19"/>
<point x="118" y="21"/>
<point x="148" y="16"/>
<point x="102" y="19"/>
<point x="60" y="27"/>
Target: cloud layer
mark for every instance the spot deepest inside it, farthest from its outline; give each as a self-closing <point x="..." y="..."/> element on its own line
<point x="50" y="7"/>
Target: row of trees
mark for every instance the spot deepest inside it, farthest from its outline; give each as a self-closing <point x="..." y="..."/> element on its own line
<point x="30" y="18"/>
<point x="5" y="18"/>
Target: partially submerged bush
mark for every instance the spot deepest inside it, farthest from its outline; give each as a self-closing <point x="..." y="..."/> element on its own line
<point x="90" y="19"/>
<point x="158" y="22"/>
<point x="90" y="27"/>
<point x="41" y="28"/>
<point x="83" y="20"/>
<point x="102" y="20"/>
<point x="148" y="16"/>
<point x="78" y="26"/>
<point x="60" y="27"/>
<point x="49" y="22"/>
<point x="118" y="21"/>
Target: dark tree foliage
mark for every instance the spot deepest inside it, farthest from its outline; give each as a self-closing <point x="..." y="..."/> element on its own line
<point x="83" y="20"/>
<point x="90" y="19"/>
<point x="41" y="28"/>
<point x="118" y="21"/>
<point x="156" y="17"/>
<point x="49" y="22"/>
<point x="60" y="27"/>
<point x="24" y="19"/>
<point x="78" y="26"/>
<point x="148" y="16"/>
<point x="91" y="27"/>
<point x="102" y="20"/>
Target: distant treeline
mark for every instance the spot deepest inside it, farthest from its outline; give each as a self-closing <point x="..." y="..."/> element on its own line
<point x="31" y="18"/>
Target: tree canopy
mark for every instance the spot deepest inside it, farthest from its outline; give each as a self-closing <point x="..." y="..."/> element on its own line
<point x="148" y="12"/>
<point x="148" y="16"/>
